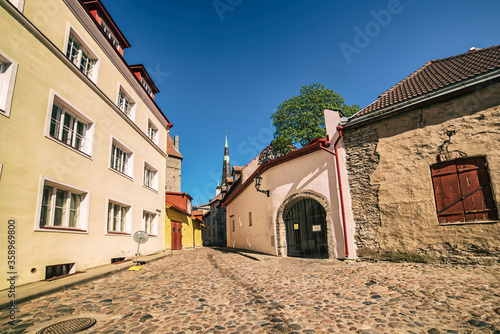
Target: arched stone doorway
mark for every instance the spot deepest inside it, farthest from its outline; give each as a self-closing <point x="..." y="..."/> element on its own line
<point x="304" y="227"/>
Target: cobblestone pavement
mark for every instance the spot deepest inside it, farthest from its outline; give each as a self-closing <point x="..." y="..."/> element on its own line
<point x="211" y="291"/>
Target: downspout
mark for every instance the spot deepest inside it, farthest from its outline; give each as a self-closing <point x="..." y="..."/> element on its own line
<point x="339" y="130"/>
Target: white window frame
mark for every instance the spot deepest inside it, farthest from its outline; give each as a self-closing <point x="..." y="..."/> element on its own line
<point x="124" y="217"/>
<point x="152" y="217"/>
<point x="8" y="71"/>
<point x="189" y="205"/>
<point x="153" y="132"/>
<point x="19" y="4"/>
<point x="56" y="128"/>
<point x="146" y="86"/>
<point x="76" y="58"/>
<point x="150" y="177"/>
<point x="118" y="162"/>
<point x="123" y="95"/>
<point x="55" y="187"/>
<point x="110" y="35"/>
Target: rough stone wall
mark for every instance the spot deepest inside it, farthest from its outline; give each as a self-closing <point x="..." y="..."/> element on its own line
<point x="173" y="177"/>
<point x="392" y="194"/>
<point x="362" y="160"/>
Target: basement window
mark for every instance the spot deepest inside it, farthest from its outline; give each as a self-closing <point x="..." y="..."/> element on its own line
<point x="59" y="270"/>
<point x="462" y="191"/>
<point x="117" y="259"/>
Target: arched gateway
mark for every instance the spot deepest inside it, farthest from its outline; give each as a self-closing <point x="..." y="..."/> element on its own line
<point x="302" y="227"/>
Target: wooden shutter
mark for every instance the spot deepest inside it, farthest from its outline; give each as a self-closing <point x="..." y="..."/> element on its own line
<point x="462" y="191"/>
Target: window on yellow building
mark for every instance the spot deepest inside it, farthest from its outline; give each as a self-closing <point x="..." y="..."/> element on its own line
<point x="80" y="55"/>
<point x="126" y="104"/>
<point x="62" y="207"/>
<point x="8" y="71"/>
<point x="150" y="177"/>
<point x="118" y="218"/>
<point x="121" y="159"/>
<point x="149" y="221"/>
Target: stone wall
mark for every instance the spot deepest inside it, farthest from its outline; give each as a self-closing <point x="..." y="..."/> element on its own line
<point x="362" y="160"/>
<point x="173" y="177"/>
<point x="388" y="164"/>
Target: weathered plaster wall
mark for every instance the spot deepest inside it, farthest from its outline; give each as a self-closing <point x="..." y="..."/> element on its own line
<point x="389" y="175"/>
<point x="173" y="177"/>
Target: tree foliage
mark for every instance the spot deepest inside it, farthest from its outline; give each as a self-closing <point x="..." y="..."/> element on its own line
<point x="301" y="119"/>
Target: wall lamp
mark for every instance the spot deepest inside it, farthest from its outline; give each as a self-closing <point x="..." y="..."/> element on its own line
<point x="258" y="181"/>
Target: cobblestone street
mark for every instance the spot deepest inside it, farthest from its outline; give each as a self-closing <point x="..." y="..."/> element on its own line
<point x="211" y="291"/>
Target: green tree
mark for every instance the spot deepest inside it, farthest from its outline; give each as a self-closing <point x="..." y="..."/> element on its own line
<point x="301" y="119"/>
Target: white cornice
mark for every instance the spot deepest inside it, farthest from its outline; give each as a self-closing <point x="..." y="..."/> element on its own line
<point x="50" y="46"/>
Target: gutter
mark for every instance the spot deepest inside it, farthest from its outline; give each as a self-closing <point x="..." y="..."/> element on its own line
<point x="339" y="130"/>
<point x="424" y="98"/>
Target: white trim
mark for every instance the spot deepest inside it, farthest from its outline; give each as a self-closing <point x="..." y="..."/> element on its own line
<point x="7" y="82"/>
<point x="71" y="31"/>
<point x="83" y="227"/>
<point x="154" y="227"/>
<point x="128" y="220"/>
<point x="146" y="164"/>
<point x="86" y="21"/>
<point x="88" y="149"/>
<point x="133" y="110"/>
<point x="157" y="133"/>
<point x="19" y="4"/>
<point x="130" y="161"/>
<point x="110" y="51"/>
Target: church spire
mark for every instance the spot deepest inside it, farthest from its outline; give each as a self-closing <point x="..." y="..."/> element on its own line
<point x="226" y="167"/>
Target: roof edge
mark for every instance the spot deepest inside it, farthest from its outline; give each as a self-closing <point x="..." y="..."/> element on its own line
<point x="385" y="112"/>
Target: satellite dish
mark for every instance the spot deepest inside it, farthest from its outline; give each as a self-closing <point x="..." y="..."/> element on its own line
<point x="140" y="237"/>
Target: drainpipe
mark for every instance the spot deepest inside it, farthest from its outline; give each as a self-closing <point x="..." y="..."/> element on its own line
<point x="339" y="130"/>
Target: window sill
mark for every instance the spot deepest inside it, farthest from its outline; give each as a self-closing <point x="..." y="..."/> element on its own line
<point x="118" y="233"/>
<point x="149" y="188"/>
<point x="86" y="155"/>
<point x="122" y="174"/>
<point x="59" y="229"/>
<point x="470" y="223"/>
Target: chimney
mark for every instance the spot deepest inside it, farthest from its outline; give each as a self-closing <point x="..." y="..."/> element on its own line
<point x="176" y="143"/>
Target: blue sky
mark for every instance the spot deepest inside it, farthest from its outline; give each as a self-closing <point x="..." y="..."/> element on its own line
<point x="226" y="65"/>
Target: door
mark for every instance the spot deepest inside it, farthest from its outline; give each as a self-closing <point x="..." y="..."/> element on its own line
<point x="305" y="224"/>
<point x="176" y="236"/>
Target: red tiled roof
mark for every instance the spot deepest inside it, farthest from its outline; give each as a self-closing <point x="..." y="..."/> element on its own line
<point x="438" y="74"/>
<point x="171" y="151"/>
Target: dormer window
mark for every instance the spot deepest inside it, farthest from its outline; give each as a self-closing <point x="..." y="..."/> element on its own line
<point x="146" y="86"/>
<point x="110" y="35"/>
<point x="144" y="79"/>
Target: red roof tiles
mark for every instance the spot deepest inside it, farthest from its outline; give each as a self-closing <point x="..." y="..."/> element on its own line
<point x="171" y="151"/>
<point x="438" y="74"/>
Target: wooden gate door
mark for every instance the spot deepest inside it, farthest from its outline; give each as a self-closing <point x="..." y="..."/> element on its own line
<point x="176" y="235"/>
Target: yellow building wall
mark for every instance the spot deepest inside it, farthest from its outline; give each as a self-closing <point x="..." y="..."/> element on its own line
<point x="27" y="153"/>
<point x="191" y="229"/>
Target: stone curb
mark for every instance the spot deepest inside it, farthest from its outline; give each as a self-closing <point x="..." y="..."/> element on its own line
<point x="41" y="288"/>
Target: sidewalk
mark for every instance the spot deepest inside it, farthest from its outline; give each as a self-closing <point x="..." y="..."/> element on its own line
<point x="36" y="289"/>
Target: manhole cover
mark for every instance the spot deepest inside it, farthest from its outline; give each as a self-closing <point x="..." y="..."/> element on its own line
<point x="68" y="326"/>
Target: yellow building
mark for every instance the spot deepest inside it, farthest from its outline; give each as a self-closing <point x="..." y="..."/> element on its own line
<point x="83" y="144"/>
<point x="182" y="228"/>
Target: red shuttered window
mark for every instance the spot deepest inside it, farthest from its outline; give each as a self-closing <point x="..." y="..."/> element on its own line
<point x="462" y="191"/>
